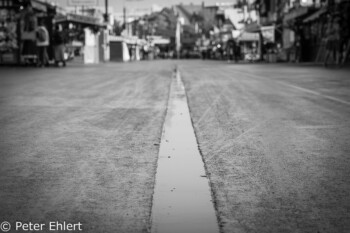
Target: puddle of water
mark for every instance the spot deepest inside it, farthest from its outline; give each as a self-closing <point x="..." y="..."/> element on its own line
<point x="182" y="198"/>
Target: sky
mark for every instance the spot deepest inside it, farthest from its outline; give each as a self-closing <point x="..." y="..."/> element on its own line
<point x="142" y="5"/>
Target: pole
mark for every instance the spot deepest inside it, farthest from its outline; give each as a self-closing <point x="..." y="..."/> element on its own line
<point x="124" y="18"/>
<point x="106" y="11"/>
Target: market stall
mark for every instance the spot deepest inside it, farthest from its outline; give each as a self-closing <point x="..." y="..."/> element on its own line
<point x="86" y="37"/>
<point x="18" y="25"/>
<point x="9" y="36"/>
<point x="249" y="42"/>
<point x="32" y="12"/>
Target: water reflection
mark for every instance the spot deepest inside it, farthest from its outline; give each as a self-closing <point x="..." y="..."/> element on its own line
<point x="182" y="198"/>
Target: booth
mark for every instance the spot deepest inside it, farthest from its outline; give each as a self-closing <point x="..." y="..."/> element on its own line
<point x="9" y="33"/>
<point x="249" y="44"/>
<point x="33" y="11"/>
<point x="87" y="37"/>
<point x="18" y="24"/>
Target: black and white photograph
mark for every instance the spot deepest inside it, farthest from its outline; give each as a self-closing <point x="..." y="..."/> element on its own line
<point x="175" y="116"/>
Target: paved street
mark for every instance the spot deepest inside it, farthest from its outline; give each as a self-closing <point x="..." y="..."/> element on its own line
<point x="81" y="143"/>
<point x="275" y="142"/>
<point x="78" y="144"/>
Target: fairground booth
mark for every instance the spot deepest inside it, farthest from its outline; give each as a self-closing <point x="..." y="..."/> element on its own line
<point x="18" y="24"/>
<point x="87" y="37"/>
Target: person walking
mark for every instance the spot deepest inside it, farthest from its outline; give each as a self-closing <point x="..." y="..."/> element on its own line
<point x="59" y="46"/>
<point x="230" y="49"/>
<point x="332" y="41"/>
<point x="42" y="43"/>
<point x="298" y="56"/>
<point x="236" y="51"/>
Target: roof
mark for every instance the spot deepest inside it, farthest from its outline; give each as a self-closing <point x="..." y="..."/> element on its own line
<point x="191" y="9"/>
<point x="81" y="19"/>
<point x="186" y="11"/>
<point x="41" y="5"/>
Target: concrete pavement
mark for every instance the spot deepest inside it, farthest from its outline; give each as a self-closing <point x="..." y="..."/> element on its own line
<point x="81" y="144"/>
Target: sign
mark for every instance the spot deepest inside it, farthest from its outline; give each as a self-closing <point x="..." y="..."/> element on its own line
<point x="82" y="3"/>
<point x="268" y="34"/>
<point x="288" y="38"/>
<point x="249" y="36"/>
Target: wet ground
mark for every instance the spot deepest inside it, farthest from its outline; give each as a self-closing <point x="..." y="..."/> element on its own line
<point x="81" y="144"/>
<point x="182" y="200"/>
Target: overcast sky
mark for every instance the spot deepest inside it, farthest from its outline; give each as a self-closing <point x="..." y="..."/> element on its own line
<point x="145" y="4"/>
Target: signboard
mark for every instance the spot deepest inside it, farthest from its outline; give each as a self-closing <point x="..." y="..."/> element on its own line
<point x="82" y="2"/>
<point x="268" y="33"/>
<point x="288" y="38"/>
<point x="249" y="36"/>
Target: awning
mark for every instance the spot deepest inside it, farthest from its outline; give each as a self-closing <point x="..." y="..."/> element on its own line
<point x="248" y="36"/>
<point x="38" y="5"/>
<point x="253" y="27"/>
<point x="161" y="41"/>
<point x="315" y="15"/>
<point x="82" y="19"/>
<point x="296" y="13"/>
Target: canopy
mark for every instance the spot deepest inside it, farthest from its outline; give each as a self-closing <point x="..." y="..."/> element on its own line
<point x="296" y="13"/>
<point x="253" y="27"/>
<point x="249" y="36"/>
<point x="315" y="15"/>
<point x="38" y="5"/>
<point x="82" y="19"/>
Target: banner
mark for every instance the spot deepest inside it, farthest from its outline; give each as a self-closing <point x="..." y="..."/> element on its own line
<point x="268" y="34"/>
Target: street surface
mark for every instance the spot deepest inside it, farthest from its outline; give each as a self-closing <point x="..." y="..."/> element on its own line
<point x="81" y="144"/>
<point x="275" y="140"/>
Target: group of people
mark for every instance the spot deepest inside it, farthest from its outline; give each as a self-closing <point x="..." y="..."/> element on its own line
<point x="230" y="51"/>
<point x="43" y="43"/>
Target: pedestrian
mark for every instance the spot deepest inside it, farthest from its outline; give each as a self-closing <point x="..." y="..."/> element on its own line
<point x="298" y="48"/>
<point x="59" y="41"/>
<point x="346" y="35"/>
<point x="145" y="51"/>
<point x="337" y="40"/>
<point x="237" y="51"/>
<point x="42" y="43"/>
<point x="230" y="49"/>
<point x="332" y="41"/>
